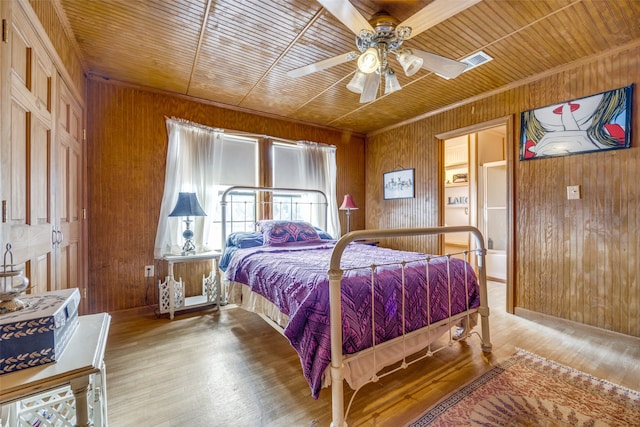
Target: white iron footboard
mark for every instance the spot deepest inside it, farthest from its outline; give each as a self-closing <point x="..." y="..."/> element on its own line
<point x="335" y="278"/>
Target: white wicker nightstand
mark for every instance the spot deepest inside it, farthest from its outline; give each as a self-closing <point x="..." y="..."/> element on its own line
<point x="71" y="391"/>
<point x="171" y="292"/>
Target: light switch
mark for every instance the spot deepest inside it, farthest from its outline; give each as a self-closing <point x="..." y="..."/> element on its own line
<point x="573" y="192"/>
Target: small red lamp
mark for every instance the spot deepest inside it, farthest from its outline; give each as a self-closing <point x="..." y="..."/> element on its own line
<point x="348" y="205"/>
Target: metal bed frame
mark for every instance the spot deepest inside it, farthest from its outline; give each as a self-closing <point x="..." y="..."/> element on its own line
<point x="265" y="204"/>
<point x="335" y="275"/>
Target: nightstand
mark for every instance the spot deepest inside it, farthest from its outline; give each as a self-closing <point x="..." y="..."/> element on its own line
<point x="71" y="391"/>
<point x="171" y="292"/>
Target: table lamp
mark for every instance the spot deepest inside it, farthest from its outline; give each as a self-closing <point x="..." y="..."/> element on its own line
<point x="347" y="205"/>
<point x="188" y="206"/>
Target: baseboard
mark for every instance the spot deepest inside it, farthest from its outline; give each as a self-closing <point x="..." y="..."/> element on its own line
<point x="553" y="321"/>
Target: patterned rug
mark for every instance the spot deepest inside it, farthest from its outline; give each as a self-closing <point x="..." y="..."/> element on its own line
<point x="528" y="390"/>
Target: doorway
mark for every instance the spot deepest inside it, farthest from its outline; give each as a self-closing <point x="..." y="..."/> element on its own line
<point x="457" y="206"/>
<point x="476" y="191"/>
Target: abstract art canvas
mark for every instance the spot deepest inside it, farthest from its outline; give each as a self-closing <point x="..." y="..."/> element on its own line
<point x="593" y="123"/>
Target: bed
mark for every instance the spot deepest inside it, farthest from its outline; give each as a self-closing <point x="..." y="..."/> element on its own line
<point x="352" y="310"/>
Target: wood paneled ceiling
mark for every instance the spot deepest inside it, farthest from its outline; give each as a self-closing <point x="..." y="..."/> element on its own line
<point x="237" y="53"/>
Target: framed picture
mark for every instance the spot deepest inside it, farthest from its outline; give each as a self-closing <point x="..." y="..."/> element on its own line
<point x="584" y="125"/>
<point x="399" y="184"/>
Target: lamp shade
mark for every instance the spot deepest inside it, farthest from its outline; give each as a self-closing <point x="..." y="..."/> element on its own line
<point x="369" y="61"/>
<point x="187" y="205"/>
<point x="348" y="203"/>
<point x="390" y="82"/>
<point x="357" y="82"/>
<point x="370" y="89"/>
<point x="410" y="63"/>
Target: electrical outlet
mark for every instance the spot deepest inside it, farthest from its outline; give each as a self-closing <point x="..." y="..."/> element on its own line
<point x="148" y="271"/>
<point x="573" y="192"/>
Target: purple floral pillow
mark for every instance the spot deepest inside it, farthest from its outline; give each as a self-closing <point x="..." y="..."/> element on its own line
<point x="280" y="231"/>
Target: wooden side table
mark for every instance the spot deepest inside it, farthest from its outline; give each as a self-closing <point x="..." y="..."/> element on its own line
<point x="171" y="292"/>
<point x="80" y="366"/>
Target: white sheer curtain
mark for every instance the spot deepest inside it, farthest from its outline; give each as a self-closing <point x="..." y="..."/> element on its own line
<point x="319" y="172"/>
<point x="194" y="157"/>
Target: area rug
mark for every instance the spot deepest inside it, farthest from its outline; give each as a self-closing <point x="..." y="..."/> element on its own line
<point x="528" y="390"/>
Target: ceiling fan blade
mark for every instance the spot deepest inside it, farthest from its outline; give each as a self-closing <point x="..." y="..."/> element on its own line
<point x="324" y="64"/>
<point x="434" y="13"/>
<point x="445" y="67"/>
<point x="347" y="14"/>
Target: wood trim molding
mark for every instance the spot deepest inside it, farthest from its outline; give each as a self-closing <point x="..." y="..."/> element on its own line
<point x="474" y="128"/>
<point x="107" y="80"/>
<point x="507" y="121"/>
<point x="556" y="323"/>
<point x="512" y="278"/>
<point x="203" y="29"/>
<point x="68" y="30"/>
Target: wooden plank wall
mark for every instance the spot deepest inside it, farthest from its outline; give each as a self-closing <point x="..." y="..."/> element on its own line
<point x="404" y="148"/>
<point x="578" y="260"/>
<point x="127" y="140"/>
<point x="575" y="259"/>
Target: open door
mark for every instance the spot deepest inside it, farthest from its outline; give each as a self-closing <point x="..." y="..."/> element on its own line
<point x="492" y="219"/>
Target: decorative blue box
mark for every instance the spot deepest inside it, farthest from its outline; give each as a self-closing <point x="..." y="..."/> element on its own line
<point x="39" y="333"/>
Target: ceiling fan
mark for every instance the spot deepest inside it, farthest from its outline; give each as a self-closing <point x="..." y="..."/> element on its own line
<point x="381" y="37"/>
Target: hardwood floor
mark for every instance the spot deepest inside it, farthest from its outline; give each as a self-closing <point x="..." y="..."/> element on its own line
<point x="231" y="368"/>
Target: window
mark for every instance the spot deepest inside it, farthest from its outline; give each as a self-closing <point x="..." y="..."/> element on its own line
<point x="241" y="215"/>
<point x="291" y="207"/>
<point x="286" y="170"/>
<point x="208" y="161"/>
<point x="243" y="210"/>
<point x="239" y="162"/>
<point x="239" y="166"/>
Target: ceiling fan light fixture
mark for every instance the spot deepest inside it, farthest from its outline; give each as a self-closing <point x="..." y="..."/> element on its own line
<point x="357" y="82"/>
<point x="370" y="89"/>
<point x="369" y="61"/>
<point x="391" y="83"/>
<point x="410" y="63"/>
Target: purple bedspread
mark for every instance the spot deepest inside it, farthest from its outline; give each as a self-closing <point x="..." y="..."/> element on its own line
<point x="294" y="278"/>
